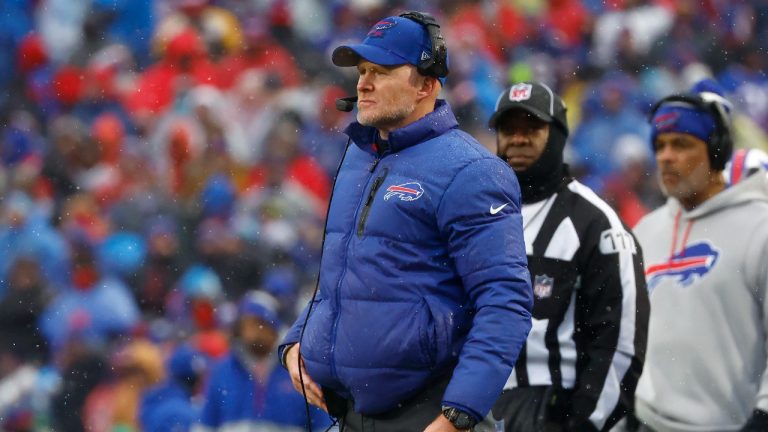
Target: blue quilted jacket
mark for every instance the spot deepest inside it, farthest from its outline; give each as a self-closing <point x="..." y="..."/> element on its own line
<point x="423" y="271"/>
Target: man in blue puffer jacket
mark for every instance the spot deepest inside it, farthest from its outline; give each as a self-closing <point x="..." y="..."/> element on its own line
<point x="424" y="295"/>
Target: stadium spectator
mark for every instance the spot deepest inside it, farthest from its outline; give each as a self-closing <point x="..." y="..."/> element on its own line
<point x="322" y="137"/>
<point x="82" y="365"/>
<point x="26" y="293"/>
<point x="114" y="403"/>
<point x="163" y="265"/>
<point x="260" y="52"/>
<point x="184" y="63"/>
<point x="248" y="388"/>
<point x="95" y="306"/>
<point x="169" y="406"/>
<point x="193" y="308"/>
<point x="25" y="231"/>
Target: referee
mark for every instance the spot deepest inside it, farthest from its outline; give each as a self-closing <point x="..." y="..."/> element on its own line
<point x="582" y="359"/>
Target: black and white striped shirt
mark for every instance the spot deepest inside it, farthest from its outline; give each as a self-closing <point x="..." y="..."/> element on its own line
<point x="590" y="316"/>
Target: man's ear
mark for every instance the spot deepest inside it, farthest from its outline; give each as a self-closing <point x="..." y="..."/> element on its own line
<point x="429" y="86"/>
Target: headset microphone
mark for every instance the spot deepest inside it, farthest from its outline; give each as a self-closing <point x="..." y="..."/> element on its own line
<point x="346" y="104"/>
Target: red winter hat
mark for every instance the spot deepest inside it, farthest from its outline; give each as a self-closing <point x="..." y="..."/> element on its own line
<point x="185" y="43"/>
<point x="31" y="53"/>
<point x="68" y="85"/>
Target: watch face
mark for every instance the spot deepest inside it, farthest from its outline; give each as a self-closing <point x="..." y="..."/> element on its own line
<point x="459" y="419"/>
<point x="463" y="422"/>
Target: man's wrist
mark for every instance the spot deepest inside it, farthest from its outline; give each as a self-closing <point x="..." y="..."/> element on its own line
<point x="460" y="419"/>
<point x="283" y="353"/>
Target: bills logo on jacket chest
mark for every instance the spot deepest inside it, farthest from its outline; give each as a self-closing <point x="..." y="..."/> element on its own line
<point x="410" y="191"/>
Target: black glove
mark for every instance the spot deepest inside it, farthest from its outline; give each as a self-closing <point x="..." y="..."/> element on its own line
<point x="560" y="415"/>
<point x="580" y="425"/>
<point x="757" y="423"/>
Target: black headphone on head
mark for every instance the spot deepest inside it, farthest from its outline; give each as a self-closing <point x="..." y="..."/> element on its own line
<point x="720" y="143"/>
<point x="436" y="65"/>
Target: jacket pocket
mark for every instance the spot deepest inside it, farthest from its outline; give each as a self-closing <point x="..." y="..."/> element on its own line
<point x="445" y="331"/>
<point x="427" y="334"/>
<point x="374" y="334"/>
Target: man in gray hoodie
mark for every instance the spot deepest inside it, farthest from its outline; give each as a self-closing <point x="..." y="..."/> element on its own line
<point x="706" y="264"/>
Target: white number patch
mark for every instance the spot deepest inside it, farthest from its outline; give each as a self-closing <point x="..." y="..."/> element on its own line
<point x="615" y="241"/>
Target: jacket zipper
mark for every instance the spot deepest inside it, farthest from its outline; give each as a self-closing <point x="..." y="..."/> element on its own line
<point x="376" y="185"/>
<point x="369" y="202"/>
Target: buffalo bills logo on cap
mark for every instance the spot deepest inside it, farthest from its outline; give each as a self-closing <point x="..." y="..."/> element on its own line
<point x="520" y="92"/>
<point x="379" y="27"/>
<point x="692" y="263"/>
<point x="666" y="120"/>
<point x="406" y="192"/>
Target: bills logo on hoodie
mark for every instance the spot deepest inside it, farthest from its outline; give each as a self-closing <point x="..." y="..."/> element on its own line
<point x="692" y="263"/>
<point x="406" y="191"/>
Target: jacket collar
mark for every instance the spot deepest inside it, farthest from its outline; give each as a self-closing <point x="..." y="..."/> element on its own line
<point x="430" y="126"/>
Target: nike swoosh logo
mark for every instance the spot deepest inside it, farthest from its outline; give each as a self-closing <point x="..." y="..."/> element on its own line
<point x="497" y="209"/>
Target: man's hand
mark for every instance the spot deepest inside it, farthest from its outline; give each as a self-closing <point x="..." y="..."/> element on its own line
<point x="441" y="424"/>
<point x="295" y="363"/>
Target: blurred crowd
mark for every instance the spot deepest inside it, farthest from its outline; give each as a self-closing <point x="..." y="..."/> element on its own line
<point x="161" y="160"/>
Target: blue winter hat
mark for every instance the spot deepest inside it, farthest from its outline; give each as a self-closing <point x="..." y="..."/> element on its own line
<point x="200" y="282"/>
<point x="15" y="145"/>
<point x="280" y="282"/>
<point x="218" y="197"/>
<point x="260" y="305"/>
<point x="392" y="41"/>
<point x="682" y="117"/>
<point x="122" y="253"/>
<point x="187" y="362"/>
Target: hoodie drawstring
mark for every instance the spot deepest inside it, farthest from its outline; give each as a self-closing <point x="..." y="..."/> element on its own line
<point x="674" y="235"/>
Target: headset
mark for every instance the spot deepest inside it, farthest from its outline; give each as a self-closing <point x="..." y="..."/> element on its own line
<point x="720" y="143"/>
<point x="437" y="63"/>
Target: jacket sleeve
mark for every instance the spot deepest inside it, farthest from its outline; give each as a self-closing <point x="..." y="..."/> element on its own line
<point x="756" y="273"/>
<point x="611" y="325"/>
<point x="294" y="333"/>
<point x="479" y="216"/>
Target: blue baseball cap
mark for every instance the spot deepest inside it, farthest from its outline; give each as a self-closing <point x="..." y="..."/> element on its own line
<point x="261" y="305"/>
<point x="392" y="41"/>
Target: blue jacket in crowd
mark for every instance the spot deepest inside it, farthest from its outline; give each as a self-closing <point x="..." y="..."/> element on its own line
<point x="423" y="271"/>
<point x="233" y="398"/>
<point x="167" y="408"/>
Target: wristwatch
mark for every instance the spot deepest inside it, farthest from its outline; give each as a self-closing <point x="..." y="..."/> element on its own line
<point x="459" y="419"/>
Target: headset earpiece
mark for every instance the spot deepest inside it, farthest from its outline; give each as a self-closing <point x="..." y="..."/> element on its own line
<point x="720" y="143"/>
<point x="436" y="65"/>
